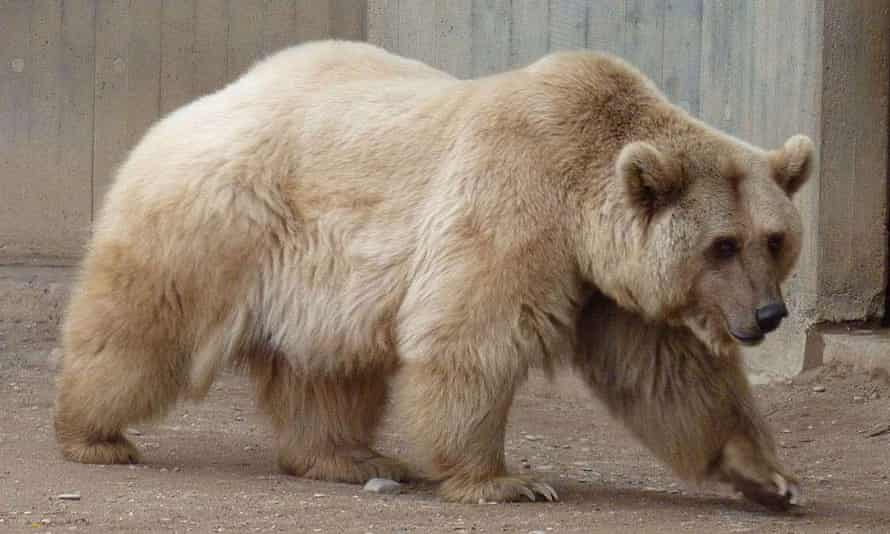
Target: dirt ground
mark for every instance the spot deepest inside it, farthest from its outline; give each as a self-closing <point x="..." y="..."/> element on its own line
<point x="209" y="467"/>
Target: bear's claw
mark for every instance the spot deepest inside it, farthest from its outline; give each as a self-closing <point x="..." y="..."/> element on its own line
<point x="545" y="490"/>
<point x="781" y="495"/>
<point x="500" y="489"/>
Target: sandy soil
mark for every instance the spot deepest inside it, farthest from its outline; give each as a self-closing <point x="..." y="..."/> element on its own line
<point x="210" y="468"/>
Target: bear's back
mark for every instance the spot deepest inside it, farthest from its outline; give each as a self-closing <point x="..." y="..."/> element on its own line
<point x="290" y="110"/>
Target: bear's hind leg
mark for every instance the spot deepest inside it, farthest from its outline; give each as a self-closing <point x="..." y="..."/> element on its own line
<point x="325" y="425"/>
<point x="100" y="392"/>
<point x="122" y="357"/>
<point x="692" y="408"/>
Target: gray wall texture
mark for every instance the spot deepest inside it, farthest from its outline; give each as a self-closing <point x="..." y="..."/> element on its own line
<point x="80" y="80"/>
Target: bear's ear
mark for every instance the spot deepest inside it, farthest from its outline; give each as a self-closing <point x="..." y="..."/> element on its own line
<point x="791" y="164"/>
<point x="652" y="180"/>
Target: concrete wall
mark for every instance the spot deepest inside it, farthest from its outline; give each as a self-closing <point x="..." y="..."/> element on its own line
<point x="81" y="80"/>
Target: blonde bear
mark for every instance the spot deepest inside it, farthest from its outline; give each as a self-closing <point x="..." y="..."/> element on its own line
<point x="349" y="225"/>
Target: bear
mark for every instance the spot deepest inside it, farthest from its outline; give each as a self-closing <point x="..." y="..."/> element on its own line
<point x="355" y="230"/>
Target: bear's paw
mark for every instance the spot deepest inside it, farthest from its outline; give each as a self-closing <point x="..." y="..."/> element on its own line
<point x="117" y="450"/>
<point x="499" y="489"/>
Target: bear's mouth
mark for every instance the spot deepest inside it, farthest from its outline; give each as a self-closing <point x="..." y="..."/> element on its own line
<point x="749" y="340"/>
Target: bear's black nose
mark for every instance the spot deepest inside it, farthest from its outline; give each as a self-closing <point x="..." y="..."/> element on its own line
<point x="769" y="316"/>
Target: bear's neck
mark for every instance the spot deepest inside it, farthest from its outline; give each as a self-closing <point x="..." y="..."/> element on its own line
<point x="572" y="135"/>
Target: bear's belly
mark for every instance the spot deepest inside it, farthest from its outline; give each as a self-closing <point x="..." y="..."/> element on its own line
<point x="328" y="310"/>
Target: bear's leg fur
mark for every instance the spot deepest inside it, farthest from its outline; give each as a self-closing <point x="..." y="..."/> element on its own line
<point x="456" y="413"/>
<point x="98" y="398"/>
<point x="690" y="407"/>
<point x="325" y="425"/>
<point x="121" y="360"/>
<point x="106" y="383"/>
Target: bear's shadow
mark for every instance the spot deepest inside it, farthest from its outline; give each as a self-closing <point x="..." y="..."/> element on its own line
<point x="239" y="458"/>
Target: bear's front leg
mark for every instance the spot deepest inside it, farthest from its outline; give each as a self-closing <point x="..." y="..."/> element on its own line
<point x="692" y="408"/>
<point x="456" y="408"/>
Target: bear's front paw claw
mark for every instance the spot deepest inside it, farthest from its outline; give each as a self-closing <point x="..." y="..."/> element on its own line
<point x="779" y="494"/>
<point x="788" y="489"/>
<point x="795" y="496"/>
<point x="546" y="490"/>
<point x="529" y="494"/>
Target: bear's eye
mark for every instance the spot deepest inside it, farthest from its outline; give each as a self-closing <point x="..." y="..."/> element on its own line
<point x="774" y="242"/>
<point x="725" y="248"/>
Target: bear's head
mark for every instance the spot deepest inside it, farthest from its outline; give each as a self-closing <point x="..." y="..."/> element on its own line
<point x="716" y="232"/>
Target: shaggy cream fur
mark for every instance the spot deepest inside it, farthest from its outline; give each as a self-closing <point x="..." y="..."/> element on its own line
<point x="341" y="220"/>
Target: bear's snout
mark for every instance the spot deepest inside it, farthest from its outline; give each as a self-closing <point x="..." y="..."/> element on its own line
<point x="770" y="316"/>
<point x="767" y="318"/>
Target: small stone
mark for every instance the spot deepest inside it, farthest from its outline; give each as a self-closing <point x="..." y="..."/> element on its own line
<point x="878" y="430"/>
<point x="786" y="431"/>
<point x="819" y="388"/>
<point x="532" y="437"/>
<point x="68" y="496"/>
<point x="858" y="398"/>
<point x="537" y="532"/>
<point x="318" y="495"/>
<point x="134" y="432"/>
<point x="546" y="467"/>
<point x="384" y="486"/>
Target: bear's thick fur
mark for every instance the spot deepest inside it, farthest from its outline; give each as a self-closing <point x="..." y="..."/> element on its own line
<point x="343" y="223"/>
